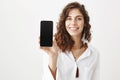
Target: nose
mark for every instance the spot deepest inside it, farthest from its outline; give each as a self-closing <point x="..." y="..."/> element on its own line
<point x="73" y="22"/>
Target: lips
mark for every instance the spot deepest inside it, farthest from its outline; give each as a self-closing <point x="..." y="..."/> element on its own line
<point x="73" y="28"/>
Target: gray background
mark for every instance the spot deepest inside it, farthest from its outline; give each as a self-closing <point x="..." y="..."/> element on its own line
<point x="20" y="56"/>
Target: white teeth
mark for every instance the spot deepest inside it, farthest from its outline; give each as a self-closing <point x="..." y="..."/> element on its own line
<point x="73" y="28"/>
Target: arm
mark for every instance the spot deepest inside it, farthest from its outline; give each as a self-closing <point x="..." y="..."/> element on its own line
<point x="96" y="74"/>
<point x="97" y="69"/>
<point x="48" y="73"/>
<point x="51" y="64"/>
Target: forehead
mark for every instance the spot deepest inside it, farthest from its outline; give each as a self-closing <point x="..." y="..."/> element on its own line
<point x="74" y="12"/>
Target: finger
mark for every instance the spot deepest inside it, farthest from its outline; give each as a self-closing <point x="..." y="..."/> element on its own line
<point x="45" y="49"/>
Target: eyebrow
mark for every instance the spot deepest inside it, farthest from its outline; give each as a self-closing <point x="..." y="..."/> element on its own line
<point x="77" y="16"/>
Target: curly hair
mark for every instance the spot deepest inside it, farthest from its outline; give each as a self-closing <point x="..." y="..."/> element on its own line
<point x="62" y="37"/>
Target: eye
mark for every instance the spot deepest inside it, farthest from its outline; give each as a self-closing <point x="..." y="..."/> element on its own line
<point x="69" y="18"/>
<point x="79" y="18"/>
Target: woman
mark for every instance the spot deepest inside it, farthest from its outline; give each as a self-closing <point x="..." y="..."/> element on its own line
<point x="72" y="57"/>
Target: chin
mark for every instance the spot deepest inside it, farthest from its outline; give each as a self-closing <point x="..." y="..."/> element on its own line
<point x="74" y="34"/>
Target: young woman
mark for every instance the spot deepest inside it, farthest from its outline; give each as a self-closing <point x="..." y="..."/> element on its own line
<point x="72" y="57"/>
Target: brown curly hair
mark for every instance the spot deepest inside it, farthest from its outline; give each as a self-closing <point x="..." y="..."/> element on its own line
<point x="62" y="37"/>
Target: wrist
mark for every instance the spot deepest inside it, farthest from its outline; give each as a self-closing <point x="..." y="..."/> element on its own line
<point x="53" y="55"/>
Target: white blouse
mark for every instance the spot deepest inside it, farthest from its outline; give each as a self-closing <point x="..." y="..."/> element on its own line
<point x="87" y="63"/>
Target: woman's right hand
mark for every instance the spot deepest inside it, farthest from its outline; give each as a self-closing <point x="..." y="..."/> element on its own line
<point x="51" y="51"/>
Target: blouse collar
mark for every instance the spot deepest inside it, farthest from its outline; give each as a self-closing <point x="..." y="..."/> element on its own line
<point x="85" y="54"/>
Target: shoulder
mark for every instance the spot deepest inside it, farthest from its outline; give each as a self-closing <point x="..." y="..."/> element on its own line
<point x="94" y="51"/>
<point x="94" y="55"/>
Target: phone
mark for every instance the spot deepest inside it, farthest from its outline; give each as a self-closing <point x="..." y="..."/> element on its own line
<point x="46" y="33"/>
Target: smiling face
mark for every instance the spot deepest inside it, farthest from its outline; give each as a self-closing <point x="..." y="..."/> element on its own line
<point x="74" y="22"/>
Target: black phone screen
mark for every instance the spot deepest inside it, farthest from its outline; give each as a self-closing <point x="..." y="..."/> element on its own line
<point x="46" y="33"/>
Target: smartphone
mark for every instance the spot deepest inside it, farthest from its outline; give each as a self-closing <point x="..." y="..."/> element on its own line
<point x="46" y="33"/>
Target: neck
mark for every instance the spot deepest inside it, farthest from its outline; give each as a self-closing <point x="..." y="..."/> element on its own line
<point x="78" y="43"/>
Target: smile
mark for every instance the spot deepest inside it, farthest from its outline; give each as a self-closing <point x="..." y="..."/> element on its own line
<point x="73" y="28"/>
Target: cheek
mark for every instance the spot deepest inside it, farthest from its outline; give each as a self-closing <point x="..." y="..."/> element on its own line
<point x="81" y="24"/>
<point x="66" y="24"/>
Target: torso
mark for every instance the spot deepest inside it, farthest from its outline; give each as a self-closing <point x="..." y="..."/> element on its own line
<point x="86" y="61"/>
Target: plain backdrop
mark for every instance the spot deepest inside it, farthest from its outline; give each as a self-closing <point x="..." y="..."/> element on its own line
<point x="20" y="56"/>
